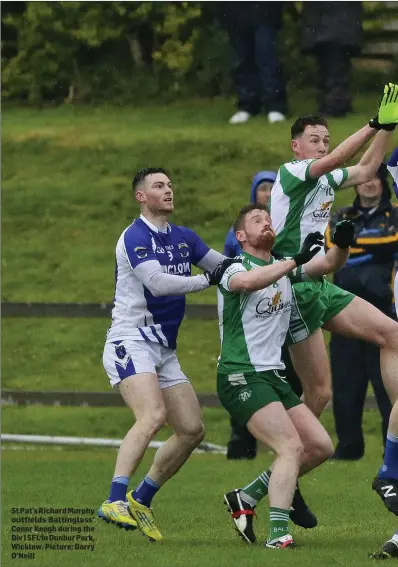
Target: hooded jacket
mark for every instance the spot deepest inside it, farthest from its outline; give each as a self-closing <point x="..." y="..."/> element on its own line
<point x="371" y="266"/>
<point x="232" y="247"/>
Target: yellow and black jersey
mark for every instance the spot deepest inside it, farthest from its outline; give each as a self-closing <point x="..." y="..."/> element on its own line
<point x="373" y="261"/>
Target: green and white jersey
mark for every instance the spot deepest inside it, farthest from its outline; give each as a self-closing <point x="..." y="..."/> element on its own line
<point x="300" y="205"/>
<point x="253" y="326"/>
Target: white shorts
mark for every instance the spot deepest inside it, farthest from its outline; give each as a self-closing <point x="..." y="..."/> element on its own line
<point x="126" y="358"/>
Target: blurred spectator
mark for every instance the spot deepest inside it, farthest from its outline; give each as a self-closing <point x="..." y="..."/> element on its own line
<point x="260" y="192"/>
<point x="252" y="28"/>
<point x="242" y="444"/>
<point x="392" y="167"/>
<point x="333" y="35"/>
<point x="368" y="273"/>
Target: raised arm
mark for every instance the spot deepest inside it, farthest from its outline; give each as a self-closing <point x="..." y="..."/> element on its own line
<point x="336" y="257"/>
<point x="241" y="280"/>
<point x="260" y="277"/>
<point x="385" y="121"/>
<point x="370" y="162"/>
<point x="342" y="153"/>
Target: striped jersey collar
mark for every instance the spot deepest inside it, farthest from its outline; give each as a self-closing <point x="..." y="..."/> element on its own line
<point x="257" y="261"/>
<point x="167" y="230"/>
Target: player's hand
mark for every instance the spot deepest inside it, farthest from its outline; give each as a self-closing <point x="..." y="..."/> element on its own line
<point x="387" y="115"/>
<point x="343" y="235"/>
<point x="216" y="275"/>
<point x="310" y="248"/>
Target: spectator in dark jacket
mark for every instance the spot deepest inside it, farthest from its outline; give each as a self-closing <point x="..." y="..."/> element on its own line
<point x="369" y="274"/>
<point x="332" y="32"/>
<point x="252" y="28"/>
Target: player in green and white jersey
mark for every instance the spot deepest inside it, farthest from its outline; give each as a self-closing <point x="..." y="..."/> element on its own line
<point x="301" y="200"/>
<point x="255" y="302"/>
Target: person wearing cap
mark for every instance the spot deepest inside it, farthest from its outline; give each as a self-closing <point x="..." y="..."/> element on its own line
<point x="368" y="273"/>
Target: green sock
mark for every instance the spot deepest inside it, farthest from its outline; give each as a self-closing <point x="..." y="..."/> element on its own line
<point x="278" y="523"/>
<point x="256" y="490"/>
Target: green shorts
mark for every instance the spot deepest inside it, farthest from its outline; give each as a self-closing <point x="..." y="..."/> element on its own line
<point x="315" y="303"/>
<point x="244" y="394"/>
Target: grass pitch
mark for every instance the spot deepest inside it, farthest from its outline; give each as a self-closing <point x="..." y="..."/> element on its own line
<point x="189" y="509"/>
<point x="190" y="512"/>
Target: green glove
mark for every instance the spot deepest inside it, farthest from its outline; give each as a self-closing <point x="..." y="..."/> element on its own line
<point x="387" y="115"/>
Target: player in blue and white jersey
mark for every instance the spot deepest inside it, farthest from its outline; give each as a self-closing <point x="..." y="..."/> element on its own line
<point x="153" y="274"/>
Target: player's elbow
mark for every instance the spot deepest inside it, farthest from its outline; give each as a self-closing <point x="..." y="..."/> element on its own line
<point x="155" y="291"/>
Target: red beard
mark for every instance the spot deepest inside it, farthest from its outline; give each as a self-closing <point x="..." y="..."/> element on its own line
<point x="268" y="240"/>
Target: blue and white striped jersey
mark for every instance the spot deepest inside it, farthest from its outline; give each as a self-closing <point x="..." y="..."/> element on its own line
<point x="141" y="314"/>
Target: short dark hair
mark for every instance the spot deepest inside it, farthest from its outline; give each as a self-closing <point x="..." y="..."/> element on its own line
<point x="143" y="173"/>
<point x="299" y="126"/>
<point x="240" y="219"/>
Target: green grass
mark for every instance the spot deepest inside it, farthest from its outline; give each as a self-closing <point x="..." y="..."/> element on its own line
<point x="189" y="510"/>
<point x="66" y="184"/>
<point x="66" y="354"/>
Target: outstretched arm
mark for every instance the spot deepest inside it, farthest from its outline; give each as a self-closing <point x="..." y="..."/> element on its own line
<point x="333" y="261"/>
<point x="342" y="153"/>
<point x="370" y="162"/>
<point x="386" y="120"/>
<point x="335" y="257"/>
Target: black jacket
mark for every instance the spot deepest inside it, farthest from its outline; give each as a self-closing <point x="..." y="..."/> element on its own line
<point x="249" y="15"/>
<point x="332" y="22"/>
<point x="373" y="257"/>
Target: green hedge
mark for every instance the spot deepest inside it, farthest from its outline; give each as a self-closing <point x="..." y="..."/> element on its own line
<point x="128" y="52"/>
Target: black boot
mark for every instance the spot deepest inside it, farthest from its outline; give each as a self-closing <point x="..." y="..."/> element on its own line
<point x="301" y="515"/>
<point x="242" y="444"/>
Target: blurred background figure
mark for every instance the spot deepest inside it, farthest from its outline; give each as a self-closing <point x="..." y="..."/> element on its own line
<point x="392" y="167"/>
<point x="260" y="192"/>
<point x="252" y="28"/>
<point x="369" y="274"/>
<point x="333" y="36"/>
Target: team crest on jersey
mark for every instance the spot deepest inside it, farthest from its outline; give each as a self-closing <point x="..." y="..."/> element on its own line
<point x="245" y="395"/>
<point x="184" y="249"/>
<point x="141" y="252"/>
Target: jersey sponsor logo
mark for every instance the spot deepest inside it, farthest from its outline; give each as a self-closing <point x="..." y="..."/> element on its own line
<point x="179" y="269"/>
<point x="245" y="395"/>
<point x="272" y="305"/>
<point x="323" y="213"/>
<point x="141" y="252"/>
<point x="184" y="249"/>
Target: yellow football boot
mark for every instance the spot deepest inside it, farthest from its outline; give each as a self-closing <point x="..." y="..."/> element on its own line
<point x="117" y="513"/>
<point x="144" y="518"/>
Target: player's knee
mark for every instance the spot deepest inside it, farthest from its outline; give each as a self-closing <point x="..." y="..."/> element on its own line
<point x="389" y="337"/>
<point x="153" y="421"/>
<point x="194" y="433"/>
<point x="320" y="450"/>
<point x="318" y="398"/>
<point x="293" y="449"/>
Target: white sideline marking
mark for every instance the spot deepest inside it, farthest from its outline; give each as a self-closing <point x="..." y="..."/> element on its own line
<point x="97" y="442"/>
